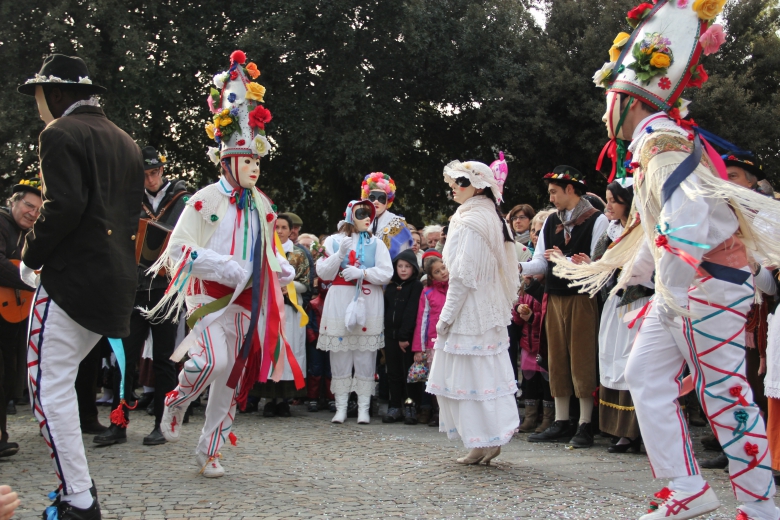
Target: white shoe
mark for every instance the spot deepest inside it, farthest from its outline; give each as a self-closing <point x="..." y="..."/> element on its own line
<point x="680" y="505"/>
<point x="210" y="466"/>
<point x="743" y="515"/>
<point x="170" y="426"/>
<point x="341" y="408"/>
<point x="364" y="403"/>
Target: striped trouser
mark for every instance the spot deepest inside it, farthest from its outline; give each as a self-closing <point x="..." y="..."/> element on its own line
<point x="55" y="346"/>
<point x="210" y="363"/>
<point x="712" y="345"/>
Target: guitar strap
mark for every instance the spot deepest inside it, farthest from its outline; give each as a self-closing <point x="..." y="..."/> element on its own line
<point x="162" y="211"/>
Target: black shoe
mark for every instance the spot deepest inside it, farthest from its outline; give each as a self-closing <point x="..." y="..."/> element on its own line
<point x="560" y="430"/>
<point x="150" y="409"/>
<point x="269" y="410"/>
<point x="10" y="409"/>
<point x="410" y="412"/>
<point x="719" y="462"/>
<point x="93" y="427"/>
<point x="145" y="401"/>
<point x="154" y="438"/>
<point x="584" y="436"/>
<point x="434" y="422"/>
<point x="283" y="409"/>
<point x="710" y="443"/>
<point x="312" y="406"/>
<point x="393" y="415"/>
<point x="8" y="448"/>
<point x="114" y="435"/>
<point x="634" y="446"/>
<point x="65" y="511"/>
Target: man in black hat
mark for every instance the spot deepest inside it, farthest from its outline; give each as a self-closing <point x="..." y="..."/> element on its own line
<point x="744" y="169"/>
<point x="24" y="206"/>
<point x="163" y="202"/>
<point x="572" y="318"/>
<point x="84" y="247"/>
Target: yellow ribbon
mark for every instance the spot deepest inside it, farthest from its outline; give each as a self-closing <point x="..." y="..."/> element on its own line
<point x="291" y="293"/>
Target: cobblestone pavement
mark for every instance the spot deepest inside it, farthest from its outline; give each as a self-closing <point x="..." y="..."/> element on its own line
<point x="305" y="467"/>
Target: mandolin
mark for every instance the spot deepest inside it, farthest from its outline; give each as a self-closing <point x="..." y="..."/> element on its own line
<point x="15" y="304"/>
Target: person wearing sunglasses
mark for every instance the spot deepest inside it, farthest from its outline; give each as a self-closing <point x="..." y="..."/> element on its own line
<point x="379" y="189"/>
<point x="471" y="375"/>
<point x="359" y="265"/>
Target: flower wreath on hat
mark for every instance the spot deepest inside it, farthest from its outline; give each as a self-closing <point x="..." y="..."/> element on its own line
<point x="378" y="181"/>
<point x="479" y="174"/>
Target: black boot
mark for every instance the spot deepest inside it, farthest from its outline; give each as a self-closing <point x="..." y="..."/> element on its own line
<point x="584" y="436"/>
<point x="719" y="462"/>
<point x="114" y="435"/>
<point x="146" y="399"/>
<point x="58" y="501"/>
<point x="560" y="430"/>
<point x="93" y="427"/>
<point x="65" y="511"/>
<point x="154" y="438"/>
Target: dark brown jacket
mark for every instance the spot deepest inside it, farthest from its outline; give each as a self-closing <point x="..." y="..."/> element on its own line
<point x="92" y="182"/>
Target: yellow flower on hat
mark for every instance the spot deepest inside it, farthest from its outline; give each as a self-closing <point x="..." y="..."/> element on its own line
<point x="163" y="159"/>
<point x="614" y="53"/>
<point x="660" y="60"/>
<point x="225" y="121"/>
<point x="210" y="129"/>
<point x="708" y="9"/>
<point x="621" y="39"/>
<point x="255" y="91"/>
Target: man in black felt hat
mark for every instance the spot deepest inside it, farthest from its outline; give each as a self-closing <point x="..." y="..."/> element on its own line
<point x="744" y="169"/>
<point x="84" y="247"/>
<point x="572" y="319"/>
<point x="163" y="202"/>
<point x="24" y="206"/>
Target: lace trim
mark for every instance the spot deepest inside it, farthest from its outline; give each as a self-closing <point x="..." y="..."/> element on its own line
<point x="772" y="390"/>
<point x="208" y="199"/>
<point x="345" y="385"/>
<point x="479" y="442"/>
<point x="462" y="394"/>
<point x="474" y="350"/>
<point x="342" y="343"/>
<point x="617" y="406"/>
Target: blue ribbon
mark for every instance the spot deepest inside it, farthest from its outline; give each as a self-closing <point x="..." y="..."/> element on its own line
<point x="363" y="239"/>
<point x="668" y="232"/>
<point x="725" y="273"/>
<point x="119" y="353"/>
<point x="684" y="169"/>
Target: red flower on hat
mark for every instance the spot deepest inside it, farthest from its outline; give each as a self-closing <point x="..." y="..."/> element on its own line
<point x="198" y="205"/>
<point x="664" y="83"/>
<point x="638" y="13"/>
<point x="241" y="142"/>
<point x="238" y="57"/>
<point x="699" y="77"/>
<point x="233" y="74"/>
<point x="259" y="117"/>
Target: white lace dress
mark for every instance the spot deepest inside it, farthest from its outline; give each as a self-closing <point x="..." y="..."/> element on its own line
<point x="472" y="374"/>
<point x="334" y="336"/>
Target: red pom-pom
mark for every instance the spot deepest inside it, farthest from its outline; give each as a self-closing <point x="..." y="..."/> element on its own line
<point x="117" y="415"/>
<point x="238" y="57"/>
<point x="198" y="205"/>
<point x="364" y="329"/>
<point x="241" y="142"/>
<point x="233" y="438"/>
<point x="661" y="241"/>
<point x="735" y="391"/>
<point x="751" y="449"/>
<point x="269" y="217"/>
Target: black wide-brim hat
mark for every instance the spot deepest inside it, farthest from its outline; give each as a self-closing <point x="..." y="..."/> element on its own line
<point x="62" y="70"/>
<point x="566" y="174"/>
<point x="745" y="161"/>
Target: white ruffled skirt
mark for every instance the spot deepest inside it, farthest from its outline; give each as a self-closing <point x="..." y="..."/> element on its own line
<point x="474" y="383"/>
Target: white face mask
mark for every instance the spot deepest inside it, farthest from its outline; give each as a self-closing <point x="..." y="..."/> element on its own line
<point x="43" y="107"/>
<point x="612" y="115"/>
<point x="461" y="195"/>
<point x="361" y="225"/>
<point x="248" y="171"/>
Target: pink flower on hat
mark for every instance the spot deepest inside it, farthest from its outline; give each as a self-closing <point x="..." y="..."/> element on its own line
<point x="712" y="39"/>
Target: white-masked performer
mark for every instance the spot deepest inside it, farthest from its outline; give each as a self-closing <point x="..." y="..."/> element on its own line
<point x="472" y="374"/>
<point x="226" y="263"/>
<point x="388" y="227"/>
<point x="352" y="322"/>
<point x="695" y="234"/>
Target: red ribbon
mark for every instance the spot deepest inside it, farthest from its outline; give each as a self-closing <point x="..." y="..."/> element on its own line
<point x="609" y="150"/>
<point x="663" y="242"/>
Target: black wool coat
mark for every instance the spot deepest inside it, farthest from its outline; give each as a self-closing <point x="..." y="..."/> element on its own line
<point x="402" y="299"/>
<point x="92" y="177"/>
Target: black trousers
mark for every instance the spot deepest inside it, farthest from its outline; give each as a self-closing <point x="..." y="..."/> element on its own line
<point x="536" y="388"/>
<point x="86" y="383"/>
<point x="398" y="363"/>
<point x="163" y="345"/>
<point x="515" y="334"/>
<point x="11" y="335"/>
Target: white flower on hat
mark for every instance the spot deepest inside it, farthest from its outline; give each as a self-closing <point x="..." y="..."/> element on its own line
<point x="602" y="75"/>
<point x="260" y="146"/>
<point x="219" y="80"/>
<point x="213" y="154"/>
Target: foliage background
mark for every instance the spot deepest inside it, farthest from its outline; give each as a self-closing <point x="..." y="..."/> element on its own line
<point x="357" y="86"/>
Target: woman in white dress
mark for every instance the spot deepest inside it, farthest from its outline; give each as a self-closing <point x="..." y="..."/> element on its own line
<point x="471" y="374"/>
<point x="352" y="257"/>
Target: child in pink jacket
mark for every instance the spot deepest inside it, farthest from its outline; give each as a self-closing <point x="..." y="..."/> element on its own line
<point x="431" y="302"/>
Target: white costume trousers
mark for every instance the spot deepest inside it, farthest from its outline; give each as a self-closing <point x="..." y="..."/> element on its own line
<point x="210" y="363"/>
<point x="712" y="344"/>
<point x="55" y="347"/>
<point x="341" y="365"/>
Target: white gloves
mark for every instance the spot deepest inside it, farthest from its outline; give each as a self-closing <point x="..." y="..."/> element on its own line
<point x="28" y="276"/>
<point x="351" y="272"/>
<point x="233" y="274"/>
<point x="442" y="327"/>
<point x="666" y="315"/>
<point x="287" y="274"/>
<point x="345" y="247"/>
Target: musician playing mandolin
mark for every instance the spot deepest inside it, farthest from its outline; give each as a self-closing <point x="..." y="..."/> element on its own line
<point x="163" y="202"/>
<point x="24" y="206"/>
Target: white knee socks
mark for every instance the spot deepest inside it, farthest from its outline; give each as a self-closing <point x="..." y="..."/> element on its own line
<point x="81" y="500"/>
<point x="561" y="408"/>
<point x="689" y="484"/>
<point x="586" y="409"/>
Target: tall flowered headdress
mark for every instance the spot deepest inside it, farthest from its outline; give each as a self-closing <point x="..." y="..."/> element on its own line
<point x="658" y="60"/>
<point x="238" y="115"/>
<point x="378" y="181"/>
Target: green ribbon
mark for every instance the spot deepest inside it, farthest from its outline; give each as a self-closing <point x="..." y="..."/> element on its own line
<point x="216" y="305"/>
<point x="668" y="232"/>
